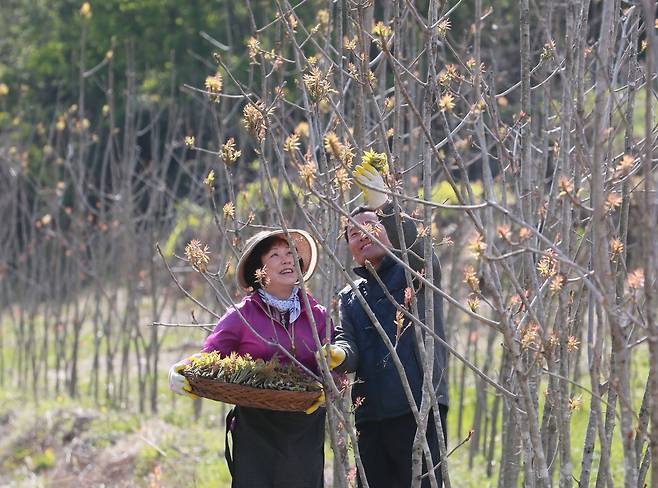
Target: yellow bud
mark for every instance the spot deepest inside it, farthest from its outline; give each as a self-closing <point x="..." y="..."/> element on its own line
<point x="85" y="10"/>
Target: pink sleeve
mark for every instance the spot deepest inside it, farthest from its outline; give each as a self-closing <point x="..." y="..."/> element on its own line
<point x="321" y="322"/>
<point x="227" y="334"/>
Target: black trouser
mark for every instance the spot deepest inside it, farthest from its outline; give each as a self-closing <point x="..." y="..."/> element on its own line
<point x="274" y="449"/>
<point x="385" y="448"/>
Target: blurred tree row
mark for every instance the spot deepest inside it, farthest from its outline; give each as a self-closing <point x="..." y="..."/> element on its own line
<point x="521" y="134"/>
<point x="45" y="43"/>
<point x="40" y="53"/>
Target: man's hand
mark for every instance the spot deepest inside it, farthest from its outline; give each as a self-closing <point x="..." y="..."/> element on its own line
<point x="179" y="383"/>
<point x="372" y="184"/>
<point x="318" y="403"/>
<point x="335" y="355"/>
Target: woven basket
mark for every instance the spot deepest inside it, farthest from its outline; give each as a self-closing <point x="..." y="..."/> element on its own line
<point x="248" y="396"/>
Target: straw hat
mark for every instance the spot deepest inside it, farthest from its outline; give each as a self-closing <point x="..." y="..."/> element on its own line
<point x="307" y="249"/>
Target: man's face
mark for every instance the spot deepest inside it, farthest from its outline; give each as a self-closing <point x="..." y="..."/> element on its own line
<point x="361" y="246"/>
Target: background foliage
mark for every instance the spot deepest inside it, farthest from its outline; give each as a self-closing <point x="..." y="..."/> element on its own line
<point x="531" y="174"/>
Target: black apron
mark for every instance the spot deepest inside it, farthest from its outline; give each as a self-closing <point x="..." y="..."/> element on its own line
<point x="274" y="449"/>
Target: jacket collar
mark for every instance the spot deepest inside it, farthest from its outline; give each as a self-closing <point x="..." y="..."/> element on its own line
<point x="385" y="264"/>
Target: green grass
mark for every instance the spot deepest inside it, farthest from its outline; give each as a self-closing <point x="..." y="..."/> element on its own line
<point x="475" y="476"/>
<point x="191" y="453"/>
<point x="183" y="453"/>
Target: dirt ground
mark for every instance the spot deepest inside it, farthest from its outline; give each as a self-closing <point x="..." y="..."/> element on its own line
<point x="61" y="449"/>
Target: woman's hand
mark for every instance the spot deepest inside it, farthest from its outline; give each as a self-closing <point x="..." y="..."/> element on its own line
<point x="335" y="355"/>
<point x="179" y="383"/>
<point x="318" y="403"/>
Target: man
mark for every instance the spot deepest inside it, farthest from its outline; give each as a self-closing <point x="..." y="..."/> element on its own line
<point x="384" y="419"/>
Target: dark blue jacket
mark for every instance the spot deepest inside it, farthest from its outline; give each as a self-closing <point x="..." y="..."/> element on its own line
<point x="378" y="384"/>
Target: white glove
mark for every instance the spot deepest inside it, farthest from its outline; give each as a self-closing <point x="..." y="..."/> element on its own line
<point x="179" y="383"/>
<point x="372" y="184"/>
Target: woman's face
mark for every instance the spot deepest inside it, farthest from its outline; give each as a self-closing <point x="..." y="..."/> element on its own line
<point x="280" y="267"/>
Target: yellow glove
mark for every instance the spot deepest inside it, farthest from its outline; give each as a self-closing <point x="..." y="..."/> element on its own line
<point x="334" y="354"/>
<point x="318" y="403"/>
<point x="371" y="183"/>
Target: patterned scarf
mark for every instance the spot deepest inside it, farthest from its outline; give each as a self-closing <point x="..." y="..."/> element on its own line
<point x="290" y="304"/>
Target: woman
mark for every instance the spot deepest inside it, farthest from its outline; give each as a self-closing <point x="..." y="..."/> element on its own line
<point x="271" y="448"/>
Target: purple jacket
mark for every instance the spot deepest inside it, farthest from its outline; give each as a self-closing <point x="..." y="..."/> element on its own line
<point x="233" y="334"/>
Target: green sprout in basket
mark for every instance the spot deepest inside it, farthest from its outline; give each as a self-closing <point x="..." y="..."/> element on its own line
<point x="244" y="370"/>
